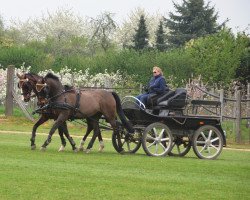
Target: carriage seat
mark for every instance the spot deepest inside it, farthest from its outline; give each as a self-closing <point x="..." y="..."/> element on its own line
<point x="174" y="100"/>
<point x="153" y="98"/>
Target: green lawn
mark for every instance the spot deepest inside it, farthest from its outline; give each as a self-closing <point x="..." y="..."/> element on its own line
<point x="26" y="174"/>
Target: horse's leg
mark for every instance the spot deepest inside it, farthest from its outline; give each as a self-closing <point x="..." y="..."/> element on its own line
<point x="101" y="143"/>
<point x="42" y="119"/>
<point x="61" y="118"/>
<point x="96" y="133"/>
<point x="71" y="141"/>
<point x="63" y="141"/>
<point x="89" y="129"/>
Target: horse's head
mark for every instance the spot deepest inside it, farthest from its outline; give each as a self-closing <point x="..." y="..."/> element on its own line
<point x="42" y="91"/>
<point x="49" y="86"/>
<point x="25" y="85"/>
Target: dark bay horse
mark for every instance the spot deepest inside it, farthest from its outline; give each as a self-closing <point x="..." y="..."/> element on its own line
<point x="27" y="83"/>
<point x="91" y="104"/>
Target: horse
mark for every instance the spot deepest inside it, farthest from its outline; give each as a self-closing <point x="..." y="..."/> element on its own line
<point x="27" y="82"/>
<point x="80" y="104"/>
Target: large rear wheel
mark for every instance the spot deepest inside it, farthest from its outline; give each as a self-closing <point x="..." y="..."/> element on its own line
<point x="157" y="140"/>
<point x="207" y="142"/>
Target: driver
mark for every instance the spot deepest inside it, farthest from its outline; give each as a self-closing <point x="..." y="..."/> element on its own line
<point x="156" y="85"/>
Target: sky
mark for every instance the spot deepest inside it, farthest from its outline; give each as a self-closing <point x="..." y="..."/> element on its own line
<point x="237" y="11"/>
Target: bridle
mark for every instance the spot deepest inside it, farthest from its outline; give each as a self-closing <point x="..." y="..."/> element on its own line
<point x="40" y="86"/>
<point x="22" y="81"/>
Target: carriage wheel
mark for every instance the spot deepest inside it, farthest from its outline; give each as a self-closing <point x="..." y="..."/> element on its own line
<point x="124" y="142"/>
<point x="157" y="140"/>
<point x="207" y="142"/>
<point x="181" y="146"/>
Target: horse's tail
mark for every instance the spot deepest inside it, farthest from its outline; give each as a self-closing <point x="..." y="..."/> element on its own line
<point x="121" y="114"/>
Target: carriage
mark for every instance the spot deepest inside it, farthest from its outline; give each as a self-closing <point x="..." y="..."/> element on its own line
<point x="165" y="127"/>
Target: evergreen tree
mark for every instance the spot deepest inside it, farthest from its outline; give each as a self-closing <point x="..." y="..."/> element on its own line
<point x="160" y="40"/>
<point x="194" y="19"/>
<point x="140" y="38"/>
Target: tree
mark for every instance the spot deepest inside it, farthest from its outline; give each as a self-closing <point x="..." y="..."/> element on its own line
<point x="160" y="38"/>
<point x="194" y="19"/>
<point x="243" y="70"/>
<point x="103" y="28"/>
<point x="141" y="36"/>
<point x="1" y="26"/>
<point x="216" y="56"/>
<point x="125" y="33"/>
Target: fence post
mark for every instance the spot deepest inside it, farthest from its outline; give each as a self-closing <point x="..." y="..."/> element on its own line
<point x="222" y="104"/>
<point x="248" y="106"/>
<point x="238" y="116"/>
<point x="10" y="85"/>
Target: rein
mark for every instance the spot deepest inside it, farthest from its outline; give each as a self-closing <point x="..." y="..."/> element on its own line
<point x="58" y="95"/>
<point x="58" y="105"/>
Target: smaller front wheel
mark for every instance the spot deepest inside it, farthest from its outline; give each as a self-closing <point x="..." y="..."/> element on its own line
<point x="181" y="146"/>
<point x="157" y="140"/>
<point x="207" y="142"/>
<point x="124" y="142"/>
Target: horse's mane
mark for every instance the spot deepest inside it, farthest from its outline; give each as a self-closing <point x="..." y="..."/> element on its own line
<point x="50" y="75"/>
<point x="68" y="87"/>
<point x="32" y="74"/>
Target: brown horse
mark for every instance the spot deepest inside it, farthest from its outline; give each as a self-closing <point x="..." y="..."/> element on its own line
<point x="91" y="104"/>
<point x="27" y="82"/>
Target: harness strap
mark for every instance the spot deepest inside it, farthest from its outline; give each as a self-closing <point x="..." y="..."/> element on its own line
<point x="78" y="96"/>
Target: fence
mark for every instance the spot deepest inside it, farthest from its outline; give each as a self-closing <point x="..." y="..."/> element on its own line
<point x="234" y="109"/>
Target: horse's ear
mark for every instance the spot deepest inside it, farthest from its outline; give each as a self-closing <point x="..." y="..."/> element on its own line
<point x="18" y="75"/>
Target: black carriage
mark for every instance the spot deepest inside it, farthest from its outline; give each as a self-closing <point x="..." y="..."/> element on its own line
<point x="164" y="128"/>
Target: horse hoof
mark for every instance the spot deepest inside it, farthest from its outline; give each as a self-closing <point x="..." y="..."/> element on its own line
<point x="75" y="150"/>
<point x="43" y="149"/>
<point x="33" y="147"/>
<point x="62" y="148"/>
<point x="88" y="150"/>
<point x="101" y="148"/>
<point x="81" y="149"/>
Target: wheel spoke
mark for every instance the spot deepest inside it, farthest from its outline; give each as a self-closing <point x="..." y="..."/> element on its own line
<point x="203" y="148"/>
<point x="162" y="146"/>
<point x="203" y="135"/>
<point x="178" y="149"/>
<point x="155" y="132"/>
<point x="208" y="150"/>
<point x="210" y="134"/>
<point x="215" y="139"/>
<point x="164" y="139"/>
<point x="214" y="147"/>
<point x="128" y="145"/>
<point x="150" y="137"/>
<point x="151" y="144"/>
<point x="161" y="134"/>
<point x="156" y="148"/>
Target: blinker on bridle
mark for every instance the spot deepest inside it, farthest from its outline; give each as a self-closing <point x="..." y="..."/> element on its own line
<point x="40" y="86"/>
<point x="22" y="81"/>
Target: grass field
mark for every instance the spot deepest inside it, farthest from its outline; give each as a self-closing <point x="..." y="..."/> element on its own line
<point x="26" y="174"/>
